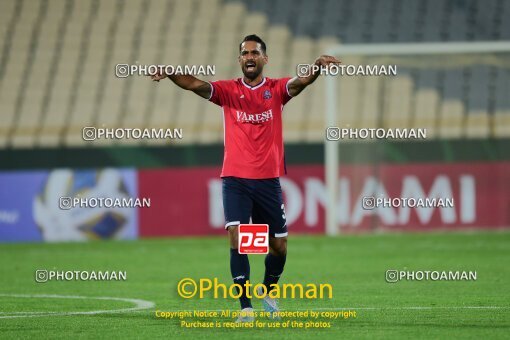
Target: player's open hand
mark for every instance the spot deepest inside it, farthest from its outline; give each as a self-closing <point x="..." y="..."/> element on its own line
<point x="158" y="76"/>
<point x="326" y="60"/>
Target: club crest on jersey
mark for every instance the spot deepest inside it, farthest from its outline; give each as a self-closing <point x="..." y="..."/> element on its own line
<point x="267" y="94"/>
<point x="257" y="118"/>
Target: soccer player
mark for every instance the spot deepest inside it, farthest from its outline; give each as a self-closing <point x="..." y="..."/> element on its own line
<point x="253" y="156"/>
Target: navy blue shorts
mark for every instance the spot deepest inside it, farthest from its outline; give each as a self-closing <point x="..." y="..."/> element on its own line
<point x="260" y="199"/>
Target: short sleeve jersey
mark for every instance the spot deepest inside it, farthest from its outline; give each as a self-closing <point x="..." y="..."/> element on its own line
<point x="252" y="119"/>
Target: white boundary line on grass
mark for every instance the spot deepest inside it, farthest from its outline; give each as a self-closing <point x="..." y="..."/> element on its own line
<point x="413" y="308"/>
<point x="138" y="305"/>
<point x="142" y="305"/>
<point x="356" y="308"/>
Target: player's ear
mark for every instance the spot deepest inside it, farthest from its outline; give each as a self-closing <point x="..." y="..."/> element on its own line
<point x="266" y="59"/>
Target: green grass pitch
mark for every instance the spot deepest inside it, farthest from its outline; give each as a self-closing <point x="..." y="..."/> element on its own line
<point x="354" y="265"/>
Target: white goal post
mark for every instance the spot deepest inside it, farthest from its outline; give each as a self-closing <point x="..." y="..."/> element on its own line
<point x="331" y="155"/>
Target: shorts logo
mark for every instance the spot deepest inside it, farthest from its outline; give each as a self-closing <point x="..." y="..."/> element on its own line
<point x="267" y="94"/>
<point x="253" y="238"/>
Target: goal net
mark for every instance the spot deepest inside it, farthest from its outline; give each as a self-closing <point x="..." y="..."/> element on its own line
<point x="449" y="90"/>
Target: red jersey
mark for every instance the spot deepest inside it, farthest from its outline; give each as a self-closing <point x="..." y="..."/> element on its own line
<point x="252" y="123"/>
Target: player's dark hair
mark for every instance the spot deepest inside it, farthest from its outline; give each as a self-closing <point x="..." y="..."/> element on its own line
<point x="256" y="38"/>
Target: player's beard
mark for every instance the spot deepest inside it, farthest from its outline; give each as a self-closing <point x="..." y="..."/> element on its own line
<point x="253" y="73"/>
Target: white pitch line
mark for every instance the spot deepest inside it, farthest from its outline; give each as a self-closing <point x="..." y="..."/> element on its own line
<point x="414" y="308"/>
<point x="358" y="308"/>
<point x="139" y="305"/>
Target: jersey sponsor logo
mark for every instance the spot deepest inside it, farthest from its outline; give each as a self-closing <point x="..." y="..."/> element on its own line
<point x="256" y="118"/>
<point x="253" y="238"/>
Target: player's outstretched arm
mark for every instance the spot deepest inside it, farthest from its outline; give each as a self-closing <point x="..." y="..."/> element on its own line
<point x="188" y="82"/>
<point x="298" y="84"/>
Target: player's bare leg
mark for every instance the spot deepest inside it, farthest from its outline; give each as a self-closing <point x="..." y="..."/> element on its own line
<point x="240" y="269"/>
<point x="275" y="262"/>
<point x="278" y="246"/>
<point x="233" y="236"/>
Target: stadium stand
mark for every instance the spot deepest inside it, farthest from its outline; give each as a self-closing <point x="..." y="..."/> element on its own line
<point x="58" y="57"/>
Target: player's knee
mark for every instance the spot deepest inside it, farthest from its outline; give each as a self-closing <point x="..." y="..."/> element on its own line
<point x="279" y="246"/>
<point x="233" y="236"/>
